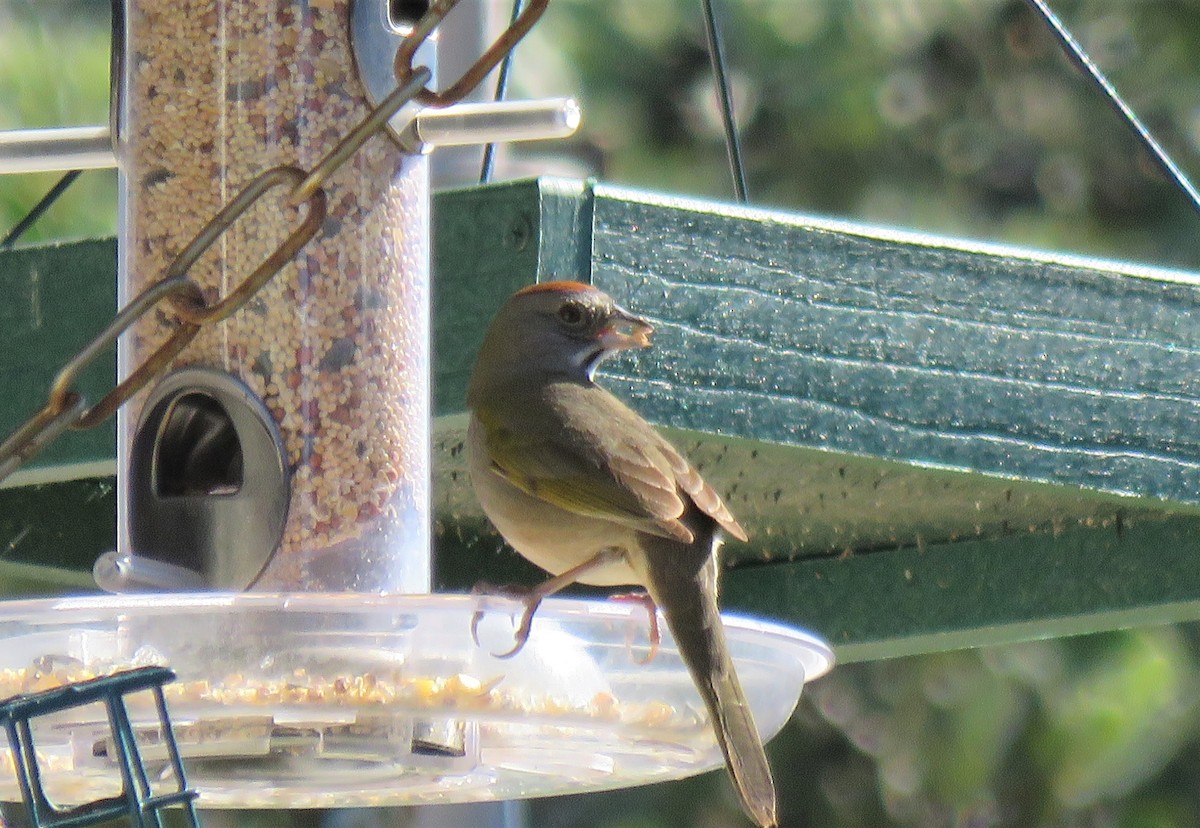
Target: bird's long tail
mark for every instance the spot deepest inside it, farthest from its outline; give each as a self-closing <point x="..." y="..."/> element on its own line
<point x="683" y="580"/>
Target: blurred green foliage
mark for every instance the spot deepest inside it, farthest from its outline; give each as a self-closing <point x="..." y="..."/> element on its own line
<point x="54" y="72"/>
<point x="953" y="116"/>
<point x="956" y="116"/>
<point x="1092" y="732"/>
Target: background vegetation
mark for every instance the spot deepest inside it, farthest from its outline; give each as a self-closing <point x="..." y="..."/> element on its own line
<point x="54" y="72"/>
<point x="957" y="117"/>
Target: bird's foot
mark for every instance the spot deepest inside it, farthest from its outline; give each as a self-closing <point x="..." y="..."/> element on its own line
<point x="646" y="601"/>
<point x="530" y="598"/>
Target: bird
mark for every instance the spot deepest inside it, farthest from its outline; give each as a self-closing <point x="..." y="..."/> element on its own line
<point x="582" y="486"/>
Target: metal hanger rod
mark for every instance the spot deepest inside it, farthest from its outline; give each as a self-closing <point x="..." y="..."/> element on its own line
<point x="733" y="143"/>
<point x="1084" y="63"/>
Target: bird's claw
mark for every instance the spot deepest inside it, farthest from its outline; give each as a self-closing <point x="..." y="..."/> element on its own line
<point x="526" y="596"/>
<point x="655" y="633"/>
<point x="478" y="614"/>
<point x="522" y="634"/>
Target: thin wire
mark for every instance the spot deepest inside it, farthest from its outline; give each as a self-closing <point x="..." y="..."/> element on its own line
<point x="733" y="143"/>
<point x="1077" y="56"/>
<point x="38" y="209"/>
<point x="489" y="150"/>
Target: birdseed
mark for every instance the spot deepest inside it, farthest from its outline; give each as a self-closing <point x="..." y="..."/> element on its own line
<point x="460" y="691"/>
<point x="336" y="344"/>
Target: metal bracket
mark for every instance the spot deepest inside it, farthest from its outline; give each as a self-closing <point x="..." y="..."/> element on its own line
<point x="375" y="38"/>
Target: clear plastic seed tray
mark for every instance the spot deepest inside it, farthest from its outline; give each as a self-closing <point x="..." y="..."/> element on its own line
<point x="316" y="700"/>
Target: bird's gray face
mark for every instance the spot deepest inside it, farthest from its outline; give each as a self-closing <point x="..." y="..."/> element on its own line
<point x="563" y="328"/>
<point x="585" y="327"/>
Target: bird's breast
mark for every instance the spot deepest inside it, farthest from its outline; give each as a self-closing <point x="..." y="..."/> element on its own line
<point x="548" y="536"/>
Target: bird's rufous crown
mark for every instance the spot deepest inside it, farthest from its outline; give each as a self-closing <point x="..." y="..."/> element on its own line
<point x="561" y="286"/>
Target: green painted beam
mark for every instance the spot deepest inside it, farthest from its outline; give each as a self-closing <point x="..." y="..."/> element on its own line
<point x="933" y="443"/>
<point x="979" y="592"/>
<point x="56" y="298"/>
<point x="487" y="243"/>
<point x="803" y="331"/>
<point x="889" y="559"/>
<point x="59" y="514"/>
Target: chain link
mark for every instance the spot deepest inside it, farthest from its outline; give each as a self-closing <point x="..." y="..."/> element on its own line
<point x="202" y="313"/>
<point x="37" y="432"/>
<point x="480" y="69"/>
<point x="64" y="384"/>
<point x="67" y="408"/>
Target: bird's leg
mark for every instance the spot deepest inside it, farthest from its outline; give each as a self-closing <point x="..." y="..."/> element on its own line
<point x="534" y="596"/>
<point x="646" y="601"/>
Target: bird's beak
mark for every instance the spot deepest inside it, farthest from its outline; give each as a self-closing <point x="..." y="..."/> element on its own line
<point x="625" y="332"/>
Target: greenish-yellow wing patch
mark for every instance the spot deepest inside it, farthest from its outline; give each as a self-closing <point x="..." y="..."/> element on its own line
<point x="583" y="450"/>
<point x="607" y="476"/>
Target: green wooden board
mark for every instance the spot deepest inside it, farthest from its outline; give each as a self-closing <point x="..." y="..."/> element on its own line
<point x="52" y="533"/>
<point x="803" y="331"/>
<point x="487" y="243"/>
<point x="887" y="559"/>
<point x="57" y="515"/>
<point x="933" y="443"/>
<point x="56" y="299"/>
<point x="989" y="591"/>
<point x="893" y="345"/>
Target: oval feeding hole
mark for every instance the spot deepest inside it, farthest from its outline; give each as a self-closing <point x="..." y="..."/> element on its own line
<point x="198" y="451"/>
<point x="406" y="12"/>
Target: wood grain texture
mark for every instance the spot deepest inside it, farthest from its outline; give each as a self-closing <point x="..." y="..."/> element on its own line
<point x="934" y="444"/>
<point x="792" y="330"/>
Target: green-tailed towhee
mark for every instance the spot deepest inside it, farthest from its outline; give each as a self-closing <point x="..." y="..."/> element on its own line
<point x="583" y="487"/>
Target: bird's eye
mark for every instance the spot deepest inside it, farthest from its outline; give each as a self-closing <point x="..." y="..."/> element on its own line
<point x="572" y="315"/>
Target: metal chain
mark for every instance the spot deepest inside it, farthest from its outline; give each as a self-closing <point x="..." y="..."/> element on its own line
<point x="66" y="407"/>
<point x="481" y="68"/>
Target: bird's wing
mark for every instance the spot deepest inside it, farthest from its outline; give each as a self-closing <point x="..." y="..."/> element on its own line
<point x="703" y="495"/>
<point x="585" y="451"/>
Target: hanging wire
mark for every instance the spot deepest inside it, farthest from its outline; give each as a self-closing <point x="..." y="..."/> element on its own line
<point x="489" y="150"/>
<point x="733" y="143"/>
<point x="1079" y="57"/>
<point x="39" y="209"/>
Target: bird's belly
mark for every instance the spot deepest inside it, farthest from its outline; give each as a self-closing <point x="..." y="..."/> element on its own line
<point x="556" y="540"/>
<point x="548" y="536"/>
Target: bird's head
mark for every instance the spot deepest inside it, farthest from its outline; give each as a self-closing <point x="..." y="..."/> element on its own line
<point x="556" y="329"/>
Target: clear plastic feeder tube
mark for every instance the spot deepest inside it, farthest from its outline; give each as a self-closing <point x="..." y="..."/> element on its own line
<point x="332" y="355"/>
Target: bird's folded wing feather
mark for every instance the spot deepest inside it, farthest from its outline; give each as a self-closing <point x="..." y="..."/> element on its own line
<point x="703" y="495"/>
<point x="585" y="451"/>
